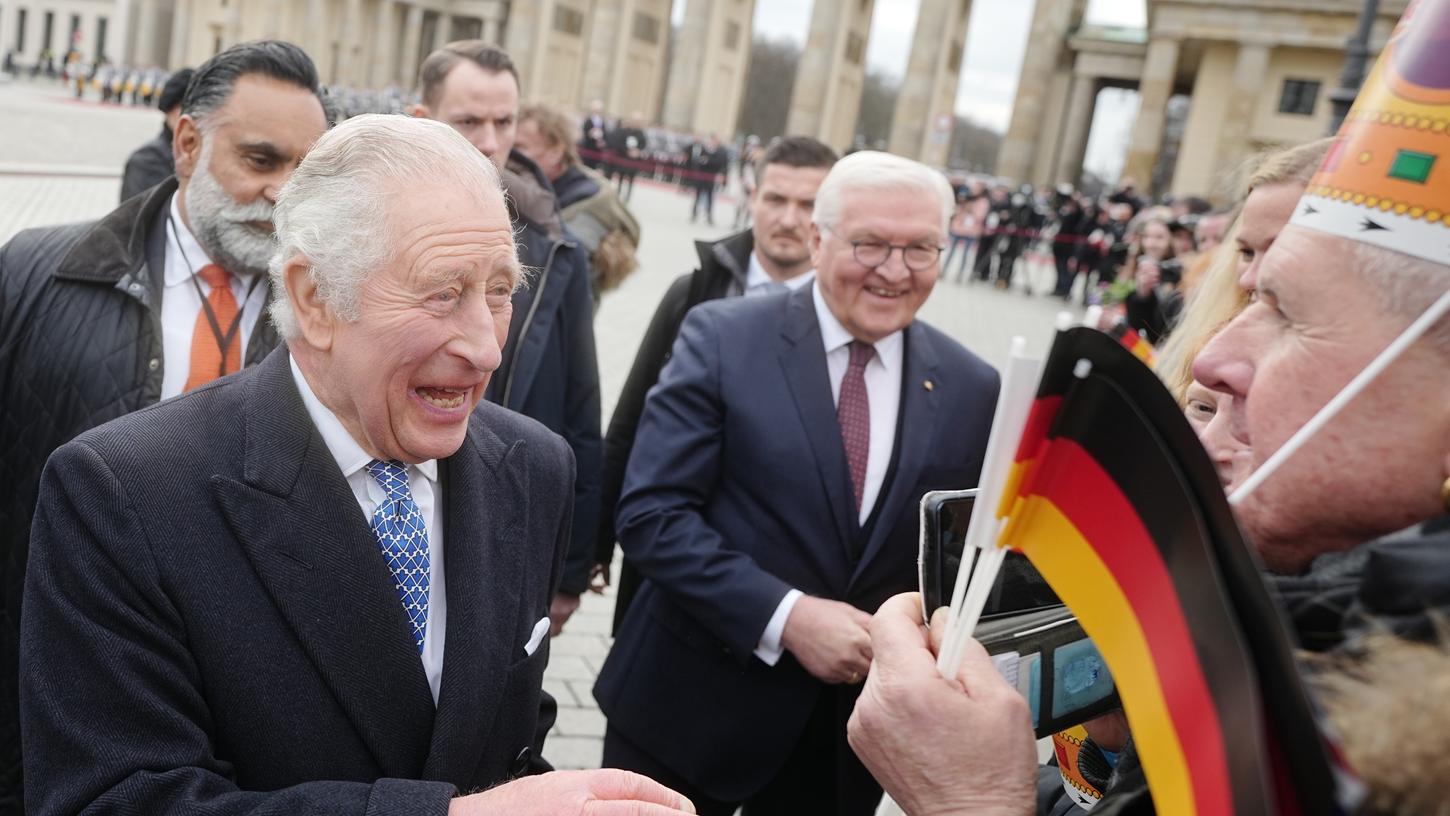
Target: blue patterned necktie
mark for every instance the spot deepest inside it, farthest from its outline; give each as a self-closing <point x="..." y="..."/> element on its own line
<point x="403" y="539"/>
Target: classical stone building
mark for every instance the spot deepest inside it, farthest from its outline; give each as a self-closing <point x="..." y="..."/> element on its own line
<point x="1253" y="75"/>
<point x="92" y="27"/>
<point x="708" y="64"/>
<point x="568" y="51"/>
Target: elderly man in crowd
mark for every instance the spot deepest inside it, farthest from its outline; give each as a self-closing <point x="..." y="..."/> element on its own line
<point x="162" y="295"/>
<point x="772" y="501"/>
<point x="1325" y="306"/>
<point x="773" y="255"/>
<point x="321" y="585"/>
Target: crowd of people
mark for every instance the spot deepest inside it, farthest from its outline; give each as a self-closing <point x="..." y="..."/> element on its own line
<point x="304" y="460"/>
<point x="1115" y="250"/>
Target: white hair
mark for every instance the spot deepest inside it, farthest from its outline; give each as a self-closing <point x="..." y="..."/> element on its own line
<point x="873" y="171"/>
<point x="1407" y="285"/>
<point x="334" y="210"/>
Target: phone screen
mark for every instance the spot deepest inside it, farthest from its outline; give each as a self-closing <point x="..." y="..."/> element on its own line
<point x="946" y="514"/>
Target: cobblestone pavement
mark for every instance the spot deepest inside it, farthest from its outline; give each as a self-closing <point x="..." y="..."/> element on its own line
<point x="60" y="162"/>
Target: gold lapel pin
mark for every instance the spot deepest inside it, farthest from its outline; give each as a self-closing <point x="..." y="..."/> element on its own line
<point x="927" y="385"/>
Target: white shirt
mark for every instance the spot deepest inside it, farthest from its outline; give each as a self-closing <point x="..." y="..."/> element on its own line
<point x="759" y="282"/>
<point x="883" y="393"/>
<point x="423" y="482"/>
<point x="180" y="304"/>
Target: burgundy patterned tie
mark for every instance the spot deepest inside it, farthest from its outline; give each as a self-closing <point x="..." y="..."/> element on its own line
<point x="853" y="412"/>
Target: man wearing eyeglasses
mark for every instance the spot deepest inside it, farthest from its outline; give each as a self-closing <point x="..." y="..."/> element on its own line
<point x="771" y="503"/>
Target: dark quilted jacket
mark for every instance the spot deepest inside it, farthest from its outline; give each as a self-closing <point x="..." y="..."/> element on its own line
<point x="80" y="344"/>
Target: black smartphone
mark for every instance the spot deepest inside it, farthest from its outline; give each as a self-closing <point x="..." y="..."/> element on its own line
<point x="945" y="515"/>
<point x="1035" y="641"/>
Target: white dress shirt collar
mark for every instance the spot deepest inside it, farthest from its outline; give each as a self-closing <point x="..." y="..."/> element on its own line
<point x="349" y="454"/>
<point x="834" y="335"/>
<point x="756" y="276"/>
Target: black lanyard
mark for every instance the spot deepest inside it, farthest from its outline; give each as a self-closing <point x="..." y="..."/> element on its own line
<point x="223" y="339"/>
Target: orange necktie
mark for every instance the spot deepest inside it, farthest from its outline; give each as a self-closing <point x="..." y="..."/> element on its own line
<point x="206" y="352"/>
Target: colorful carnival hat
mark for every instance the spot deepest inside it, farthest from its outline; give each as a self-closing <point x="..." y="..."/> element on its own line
<point x="1386" y="180"/>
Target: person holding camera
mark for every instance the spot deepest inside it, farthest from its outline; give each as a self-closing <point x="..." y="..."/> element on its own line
<point x="1155" y="302"/>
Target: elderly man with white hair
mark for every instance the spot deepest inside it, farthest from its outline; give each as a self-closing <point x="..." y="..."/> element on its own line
<point x="320" y="585"/>
<point x="771" y="504"/>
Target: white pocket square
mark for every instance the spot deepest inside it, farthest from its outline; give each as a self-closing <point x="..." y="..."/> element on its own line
<point x="540" y="630"/>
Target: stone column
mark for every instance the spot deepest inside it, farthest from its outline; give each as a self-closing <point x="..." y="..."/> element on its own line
<point x="928" y="89"/>
<point x="1248" y="80"/>
<point x="686" y="65"/>
<point x="1080" y="105"/>
<point x="232" y="33"/>
<point x="181" y="35"/>
<point x="1160" y="67"/>
<point x="351" y="71"/>
<point x="146" y="30"/>
<point x="383" y="67"/>
<point x="1051" y="22"/>
<point x="314" y="39"/>
<point x="827" y="94"/>
<point x="412" y="33"/>
<point x="605" y="48"/>
<point x="276" y="19"/>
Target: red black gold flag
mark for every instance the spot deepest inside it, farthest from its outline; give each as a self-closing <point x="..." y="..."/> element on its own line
<point x="1134" y="342"/>
<point x="1115" y="502"/>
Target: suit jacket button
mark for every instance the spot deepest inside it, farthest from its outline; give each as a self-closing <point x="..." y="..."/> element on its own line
<point x="521" y="762"/>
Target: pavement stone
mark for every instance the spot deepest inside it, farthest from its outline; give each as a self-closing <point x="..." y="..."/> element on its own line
<point x="62" y="163"/>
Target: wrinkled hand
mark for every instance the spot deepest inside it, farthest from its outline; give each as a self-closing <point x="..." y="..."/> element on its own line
<point x="939" y="746"/>
<point x="575" y="793"/>
<point x="1148" y="277"/>
<point x="830" y="639"/>
<point x="560" y="610"/>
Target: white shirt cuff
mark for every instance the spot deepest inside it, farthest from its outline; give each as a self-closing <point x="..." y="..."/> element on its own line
<point x="769" y="649"/>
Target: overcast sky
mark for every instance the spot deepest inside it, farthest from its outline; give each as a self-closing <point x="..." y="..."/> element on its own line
<point x="996" y="41"/>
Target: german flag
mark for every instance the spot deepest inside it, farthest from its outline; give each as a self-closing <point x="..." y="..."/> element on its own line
<point x="1116" y="504"/>
<point x="1134" y="342"/>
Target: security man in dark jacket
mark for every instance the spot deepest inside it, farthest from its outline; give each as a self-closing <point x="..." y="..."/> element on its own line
<point x="99" y="320"/>
<point x="772" y="256"/>
<point x="151" y="163"/>
<point x="549" y="371"/>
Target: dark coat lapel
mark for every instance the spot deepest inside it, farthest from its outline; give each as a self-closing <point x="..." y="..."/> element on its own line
<point x="486" y="497"/>
<point x="316" y="555"/>
<point x="803" y="359"/>
<point x="918" y="426"/>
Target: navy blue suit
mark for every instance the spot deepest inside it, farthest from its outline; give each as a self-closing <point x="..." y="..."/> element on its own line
<point x="210" y="627"/>
<point x="738" y="490"/>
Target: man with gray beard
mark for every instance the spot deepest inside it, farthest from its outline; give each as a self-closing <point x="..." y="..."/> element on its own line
<point x="163" y="295"/>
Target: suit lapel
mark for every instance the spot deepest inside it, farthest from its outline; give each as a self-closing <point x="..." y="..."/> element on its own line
<point x="484" y="559"/>
<point x="918" y="424"/>
<point x="803" y="360"/>
<point x="300" y="525"/>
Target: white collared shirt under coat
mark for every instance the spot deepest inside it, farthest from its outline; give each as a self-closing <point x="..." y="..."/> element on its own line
<point x="352" y="460"/>
<point x="180" y="304"/>
<point x="883" y="394"/>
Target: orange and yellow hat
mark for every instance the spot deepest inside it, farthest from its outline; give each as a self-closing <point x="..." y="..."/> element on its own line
<point x="1386" y="179"/>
